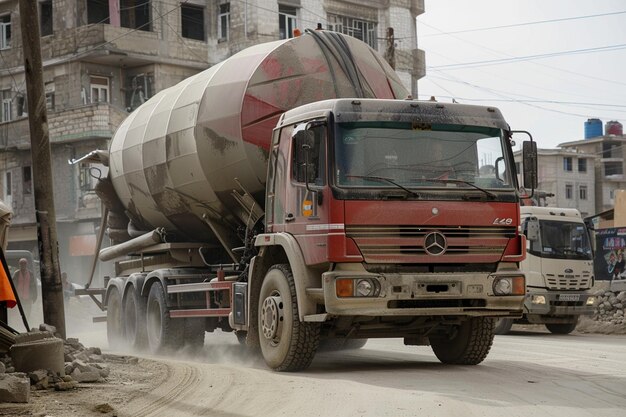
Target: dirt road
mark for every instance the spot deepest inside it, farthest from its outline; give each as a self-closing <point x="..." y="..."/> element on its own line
<point x="526" y="374"/>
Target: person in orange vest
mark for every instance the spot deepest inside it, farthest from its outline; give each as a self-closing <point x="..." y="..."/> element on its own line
<point x="26" y="286"/>
<point x="7" y="297"/>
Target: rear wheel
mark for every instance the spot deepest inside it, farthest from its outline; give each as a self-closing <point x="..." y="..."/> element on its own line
<point x="115" y="331"/>
<point x="164" y="333"/>
<point x="135" y="319"/>
<point x="503" y="326"/>
<point x="286" y="343"/>
<point x="561" y="328"/>
<point x="467" y="343"/>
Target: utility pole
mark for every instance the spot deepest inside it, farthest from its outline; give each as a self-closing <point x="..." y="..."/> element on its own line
<point x="390" y="50"/>
<point x="51" y="287"/>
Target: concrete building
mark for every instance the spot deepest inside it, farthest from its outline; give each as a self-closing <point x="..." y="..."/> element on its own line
<point x="103" y="58"/>
<point x="566" y="178"/>
<point x="610" y="166"/>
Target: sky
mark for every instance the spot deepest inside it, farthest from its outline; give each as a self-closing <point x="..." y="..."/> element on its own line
<point x="547" y="78"/>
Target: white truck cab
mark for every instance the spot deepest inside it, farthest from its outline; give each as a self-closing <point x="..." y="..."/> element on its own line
<point x="558" y="268"/>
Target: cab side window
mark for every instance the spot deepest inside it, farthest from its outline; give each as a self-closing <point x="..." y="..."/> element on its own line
<point x="313" y="143"/>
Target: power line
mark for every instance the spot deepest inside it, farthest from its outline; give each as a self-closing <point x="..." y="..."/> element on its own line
<point x="540" y="64"/>
<point x="476" y="64"/>
<point x="538" y="22"/>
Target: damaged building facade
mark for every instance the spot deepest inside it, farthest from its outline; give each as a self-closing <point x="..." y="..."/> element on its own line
<point x="104" y="58"/>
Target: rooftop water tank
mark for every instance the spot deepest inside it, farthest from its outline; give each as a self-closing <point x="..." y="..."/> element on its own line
<point x="614" y="128"/>
<point x="593" y="128"/>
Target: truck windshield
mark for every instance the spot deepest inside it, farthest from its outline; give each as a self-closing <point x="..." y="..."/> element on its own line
<point x="416" y="156"/>
<point x="562" y="240"/>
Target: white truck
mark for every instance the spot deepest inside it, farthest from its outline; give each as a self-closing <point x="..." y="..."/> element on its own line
<point x="558" y="268"/>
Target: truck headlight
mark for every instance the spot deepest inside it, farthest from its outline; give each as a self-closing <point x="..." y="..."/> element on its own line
<point x="357" y="287"/>
<point x="591" y="300"/>
<point x="509" y="285"/>
<point x="538" y="299"/>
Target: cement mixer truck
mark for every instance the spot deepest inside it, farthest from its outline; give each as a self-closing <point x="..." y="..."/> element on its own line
<point x="293" y="194"/>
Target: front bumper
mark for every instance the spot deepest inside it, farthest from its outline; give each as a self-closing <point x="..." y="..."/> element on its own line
<point x="424" y="295"/>
<point x="557" y="303"/>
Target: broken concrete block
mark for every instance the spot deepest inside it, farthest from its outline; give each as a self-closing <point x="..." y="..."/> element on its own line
<point x="3" y="368"/>
<point x="88" y="376"/>
<point x="38" y="375"/>
<point x="32" y="336"/>
<point x="47" y="328"/>
<point x="14" y="389"/>
<point x="69" y="368"/>
<point x="65" y="386"/>
<point x="39" y="354"/>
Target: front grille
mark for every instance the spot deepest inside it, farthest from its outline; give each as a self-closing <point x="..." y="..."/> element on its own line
<point x="568" y="282"/>
<point x="405" y="244"/>
<point x="567" y="303"/>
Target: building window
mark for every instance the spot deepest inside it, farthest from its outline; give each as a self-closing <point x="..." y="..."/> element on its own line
<point x="5" y="31"/>
<point x="85" y="179"/>
<point x="8" y="188"/>
<point x="286" y="21"/>
<point x="27" y="183"/>
<point x="567" y="163"/>
<point x="135" y="14"/>
<point x="7" y="106"/>
<point x="45" y="17"/>
<point x="568" y="191"/>
<point x="192" y="22"/>
<point x="582" y="165"/>
<point x="97" y="11"/>
<point x="139" y="89"/>
<point x="582" y="192"/>
<point x="49" y="88"/>
<point x="360" y="29"/>
<point x="223" y="22"/>
<point x="99" y="89"/>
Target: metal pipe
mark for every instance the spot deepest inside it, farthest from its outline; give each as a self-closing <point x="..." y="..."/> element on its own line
<point x="151" y="238"/>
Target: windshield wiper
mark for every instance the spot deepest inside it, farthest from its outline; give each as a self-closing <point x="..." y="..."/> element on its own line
<point x="383" y="179"/>
<point x="457" y="181"/>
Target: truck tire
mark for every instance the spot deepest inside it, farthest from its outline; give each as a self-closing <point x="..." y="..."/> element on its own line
<point x="503" y="326"/>
<point x="468" y="344"/>
<point x="286" y="343"/>
<point x="164" y="333"/>
<point x="115" y="330"/>
<point x="135" y="330"/>
<point x="561" y="328"/>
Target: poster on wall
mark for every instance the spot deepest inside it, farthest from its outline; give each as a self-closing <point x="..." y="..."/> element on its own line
<point x="609" y="263"/>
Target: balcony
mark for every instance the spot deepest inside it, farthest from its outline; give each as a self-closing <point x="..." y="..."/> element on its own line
<point x="79" y="123"/>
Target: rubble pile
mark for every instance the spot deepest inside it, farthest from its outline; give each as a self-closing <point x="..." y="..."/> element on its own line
<point x="81" y="365"/>
<point x="610" y="306"/>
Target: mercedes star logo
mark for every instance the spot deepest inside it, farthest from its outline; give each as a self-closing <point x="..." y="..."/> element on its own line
<point x="435" y="244"/>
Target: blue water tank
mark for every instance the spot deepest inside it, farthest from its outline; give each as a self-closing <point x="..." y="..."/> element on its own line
<point x="593" y="128"/>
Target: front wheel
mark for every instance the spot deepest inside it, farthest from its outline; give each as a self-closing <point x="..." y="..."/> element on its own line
<point x="561" y="328"/>
<point x="465" y="344"/>
<point x="287" y="344"/>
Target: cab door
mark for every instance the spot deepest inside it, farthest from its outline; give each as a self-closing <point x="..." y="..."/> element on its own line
<point x="306" y="194"/>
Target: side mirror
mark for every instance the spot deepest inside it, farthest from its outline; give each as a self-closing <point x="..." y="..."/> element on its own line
<point x="305" y="139"/>
<point x="532" y="230"/>
<point x="529" y="160"/>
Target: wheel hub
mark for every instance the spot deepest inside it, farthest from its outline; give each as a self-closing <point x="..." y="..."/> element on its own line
<point x="272" y="317"/>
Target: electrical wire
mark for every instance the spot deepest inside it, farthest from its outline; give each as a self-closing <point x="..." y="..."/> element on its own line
<point x="538" y="22"/>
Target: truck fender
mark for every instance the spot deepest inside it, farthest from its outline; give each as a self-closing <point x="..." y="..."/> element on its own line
<point x="135" y="281"/>
<point x="269" y="255"/>
<point x="115" y="284"/>
<point x="155" y="276"/>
